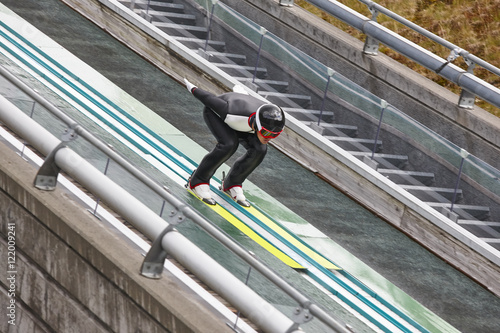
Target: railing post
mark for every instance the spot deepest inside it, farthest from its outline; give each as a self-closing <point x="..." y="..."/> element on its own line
<point x="214" y="2"/>
<point x="383" y="106"/>
<point x="467" y="99"/>
<point x="263" y="32"/>
<point x="145" y="14"/>
<point x="330" y="73"/>
<point x="464" y="154"/>
<point x="371" y="44"/>
<point x="370" y="161"/>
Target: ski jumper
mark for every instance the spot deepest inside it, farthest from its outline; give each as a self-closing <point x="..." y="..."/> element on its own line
<point x="229" y="117"/>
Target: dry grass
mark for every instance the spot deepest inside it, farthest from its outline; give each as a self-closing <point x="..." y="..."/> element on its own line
<point x="471" y="25"/>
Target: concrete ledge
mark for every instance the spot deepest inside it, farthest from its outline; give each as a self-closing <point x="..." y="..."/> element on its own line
<point x="94" y="283"/>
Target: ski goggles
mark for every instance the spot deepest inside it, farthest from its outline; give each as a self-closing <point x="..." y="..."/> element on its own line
<point x="269" y="134"/>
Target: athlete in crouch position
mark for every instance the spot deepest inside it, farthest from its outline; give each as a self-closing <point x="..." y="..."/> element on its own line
<point x="234" y="118"/>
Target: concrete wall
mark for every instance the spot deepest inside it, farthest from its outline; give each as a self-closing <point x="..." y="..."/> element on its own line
<point x="72" y="274"/>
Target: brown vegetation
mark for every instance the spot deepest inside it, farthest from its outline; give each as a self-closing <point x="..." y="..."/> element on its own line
<point x="471" y="25"/>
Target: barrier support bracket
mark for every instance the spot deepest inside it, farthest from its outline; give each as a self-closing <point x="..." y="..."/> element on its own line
<point x="152" y="266"/>
<point x="300" y="316"/>
<point x="467" y="99"/>
<point x="46" y="178"/>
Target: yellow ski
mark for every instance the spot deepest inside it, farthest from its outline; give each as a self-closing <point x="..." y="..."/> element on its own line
<point x="225" y="214"/>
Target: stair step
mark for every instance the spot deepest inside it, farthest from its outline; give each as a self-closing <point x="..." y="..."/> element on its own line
<point x="479" y="223"/>
<point x="196" y="43"/>
<point x="389" y="161"/>
<point x="349" y="130"/>
<point x="481" y="228"/>
<point x="222" y="57"/>
<point x="357" y="143"/>
<point x="177" y="18"/>
<point x="433" y="194"/>
<point x="494" y="242"/>
<point x="263" y="84"/>
<point x="408" y="177"/>
<point x="233" y="69"/>
<point x="466" y="212"/>
<point x="309" y="115"/>
<point x="336" y="129"/>
<point x="155" y="5"/>
<point x="491" y="240"/>
<point x="284" y="99"/>
<point x="181" y="29"/>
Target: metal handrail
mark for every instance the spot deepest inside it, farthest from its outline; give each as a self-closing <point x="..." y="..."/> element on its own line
<point x="455" y="50"/>
<point x="472" y="86"/>
<point x="181" y="206"/>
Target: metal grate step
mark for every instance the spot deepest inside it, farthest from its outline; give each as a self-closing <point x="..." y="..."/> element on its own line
<point x="196" y="43"/>
<point x="284" y="99"/>
<point x="408" y="177"/>
<point x="481" y="228"/>
<point x="182" y="30"/>
<point x="389" y="161"/>
<point x="469" y="212"/>
<point x="177" y="18"/>
<point x="233" y="69"/>
<point x="433" y="194"/>
<point x="225" y="58"/>
<point x="360" y="144"/>
<point x="280" y="86"/>
<point x="309" y="115"/>
<point x="348" y="130"/>
<point x="154" y="5"/>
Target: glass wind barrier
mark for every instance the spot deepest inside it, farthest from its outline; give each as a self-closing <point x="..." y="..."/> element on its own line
<point x="327" y="83"/>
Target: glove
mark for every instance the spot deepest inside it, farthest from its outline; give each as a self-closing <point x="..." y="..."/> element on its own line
<point x="189" y="85"/>
<point x="240" y="89"/>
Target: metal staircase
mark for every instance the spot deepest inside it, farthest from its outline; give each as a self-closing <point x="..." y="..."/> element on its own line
<point x="189" y="27"/>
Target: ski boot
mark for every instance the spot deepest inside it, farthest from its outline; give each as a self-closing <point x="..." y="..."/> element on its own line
<point x="202" y="191"/>
<point x="235" y="192"/>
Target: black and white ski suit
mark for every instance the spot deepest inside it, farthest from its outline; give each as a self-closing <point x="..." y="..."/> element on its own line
<point x="229" y="117"/>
